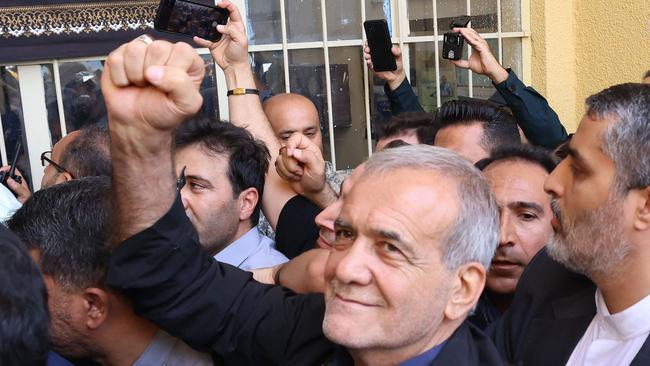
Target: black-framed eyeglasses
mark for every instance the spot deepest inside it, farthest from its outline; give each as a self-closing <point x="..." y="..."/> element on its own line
<point x="45" y="158"/>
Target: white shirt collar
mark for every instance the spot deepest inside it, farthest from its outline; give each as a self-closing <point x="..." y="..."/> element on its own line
<point x="629" y="323"/>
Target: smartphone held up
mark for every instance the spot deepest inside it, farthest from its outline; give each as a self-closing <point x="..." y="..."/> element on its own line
<point x="190" y="19"/>
<point x="453" y="43"/>
<point x="380" y="45"/>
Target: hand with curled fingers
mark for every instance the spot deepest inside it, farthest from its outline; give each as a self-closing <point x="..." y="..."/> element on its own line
<point x="152" y="85"/>
<point x="393" y="78"/>
<point x="482" y="61"/>
<point x="301" y="163"/>
<point x="21" y="190"/>
<point x="232" y="49"/>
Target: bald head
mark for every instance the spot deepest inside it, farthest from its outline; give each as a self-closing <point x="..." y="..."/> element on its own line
<point x="290" y="113"/>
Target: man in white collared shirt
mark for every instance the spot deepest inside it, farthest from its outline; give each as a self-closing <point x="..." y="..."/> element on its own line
<point x="221" y="170"/>
<point x="586" y="300"/>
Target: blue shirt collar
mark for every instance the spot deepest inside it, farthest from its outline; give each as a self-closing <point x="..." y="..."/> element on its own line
<point x="239" y="250"/>
<point x="426" y="358"/>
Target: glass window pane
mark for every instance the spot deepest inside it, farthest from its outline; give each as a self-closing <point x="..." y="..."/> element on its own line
<point x="447" y="11"/>
<point x="482" y="87"/>
<point x="264" y="21"/>
<point x="304" y="20"/>
<point x="423" y="73"/>
<point x="268" y="67"/>
<point x="53" y="119"/>
<point x="209" y="89"/>
<point x="484" y="15"/>
<point x="83" y="103"/>
<point x="420" y="17"/>
<point x="13" y="125"/>
<point x="378" y="9"/>
<point x="343" y="19"/>
<point x="512" y="56"/>
<point x="307" y="77"/>
<point x="454" y="81"/>
<point x="348" y="107"/>
<point x="510" y="15"/>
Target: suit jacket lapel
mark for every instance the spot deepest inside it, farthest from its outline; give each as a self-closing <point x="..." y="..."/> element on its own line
<point x="551" y="339"/>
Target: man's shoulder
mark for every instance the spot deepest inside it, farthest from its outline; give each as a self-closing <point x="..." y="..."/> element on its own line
<point x="265" y="255"/>
<point x="166" y="350"/>
<point x="468" y="345"/>
<point x="335" y="177"/>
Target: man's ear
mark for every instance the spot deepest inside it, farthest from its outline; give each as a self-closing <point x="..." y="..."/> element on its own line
<point x="63" y="177"/>
<point x="467" y="285"/>
<point x="642" y="212"/>
<point x="97" y="305"/>
<point x="248" y="199"/>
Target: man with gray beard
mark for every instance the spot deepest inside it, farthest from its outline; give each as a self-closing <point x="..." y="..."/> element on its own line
<point x="586" y="299"/>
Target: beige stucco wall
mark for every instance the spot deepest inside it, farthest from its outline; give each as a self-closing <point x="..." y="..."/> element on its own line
<point x="579" y="47"/>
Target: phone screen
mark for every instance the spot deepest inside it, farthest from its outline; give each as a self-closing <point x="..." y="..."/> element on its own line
<point x="191" y="19"/>
<point x="380" y="45"/>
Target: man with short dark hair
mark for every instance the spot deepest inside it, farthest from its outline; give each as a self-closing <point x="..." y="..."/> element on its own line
<point x="474" y="128"/>
<point x="410" y="127"/>
<point x="23" y="306"/>
<point x="585" y="300"/>
<point x="224" y="170"/>
<point x="516" y="176"/>
<point x="65" y="228"/>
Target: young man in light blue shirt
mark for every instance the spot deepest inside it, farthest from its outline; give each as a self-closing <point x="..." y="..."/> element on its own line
<point x="221" y="170"/>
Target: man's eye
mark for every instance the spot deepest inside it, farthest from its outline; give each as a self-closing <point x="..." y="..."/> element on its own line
<point x="196" y="186"/>
<point x="344" y="234"/>
<point x="390" y="248"/>
<point x="527" y="216"/>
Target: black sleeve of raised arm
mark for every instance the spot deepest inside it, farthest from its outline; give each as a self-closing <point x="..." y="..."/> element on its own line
<point x="296" y="231"/>
<point x="403" y="99"/>
<point x="536" y="118"/>
<point x="213" y="306"/>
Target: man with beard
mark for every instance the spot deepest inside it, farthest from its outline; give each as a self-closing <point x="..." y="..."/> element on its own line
<point x="586" y="299"/>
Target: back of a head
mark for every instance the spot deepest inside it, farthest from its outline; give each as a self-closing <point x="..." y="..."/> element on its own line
<point x="530" y="154"/>
<point x="69" y="226"/>
<point x="24" y="315"/>
<point x="89" y="154"/>
<point x="248" y="158"/>
<point x="474" y="235"/>
<point x="422" y="124"/>
<point x="499" y="126"/>
<point x="627" y="139"/>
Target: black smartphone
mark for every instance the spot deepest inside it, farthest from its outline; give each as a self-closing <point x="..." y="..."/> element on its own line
<point x="452" y="42"/>
<point x="380" y="45"/>
<point x="11" y="172"/>
<point x="190" y="19"/>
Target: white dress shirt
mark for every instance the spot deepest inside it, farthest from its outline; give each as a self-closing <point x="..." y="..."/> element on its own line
<point x="613" y="339"/>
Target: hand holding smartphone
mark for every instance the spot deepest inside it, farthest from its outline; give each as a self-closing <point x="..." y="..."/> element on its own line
<point x="190" y="19"/>
<point x="380" y="45"/>
<point x="452" y="43"/>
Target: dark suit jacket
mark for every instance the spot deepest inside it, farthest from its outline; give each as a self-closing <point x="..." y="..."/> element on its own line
<point x="468" y="346"/>
<point x="536" y="118"/>
<point x="549" y="315"/>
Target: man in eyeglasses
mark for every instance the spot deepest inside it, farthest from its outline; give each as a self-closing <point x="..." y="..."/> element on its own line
<point x="81" y="153"/>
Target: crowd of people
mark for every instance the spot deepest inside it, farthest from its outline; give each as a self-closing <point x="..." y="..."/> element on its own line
<point x="481" y="234"/>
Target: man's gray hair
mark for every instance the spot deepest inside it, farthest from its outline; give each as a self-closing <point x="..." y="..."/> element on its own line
<point x="627" y="139"/>
<point x="475" y="234"/>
